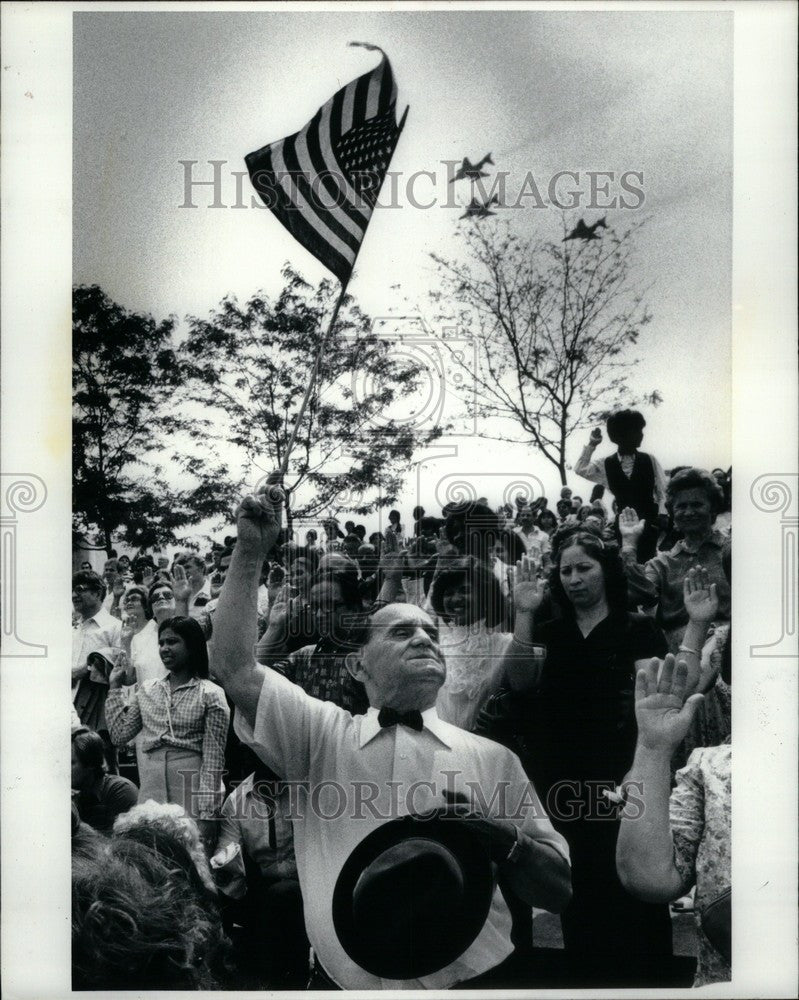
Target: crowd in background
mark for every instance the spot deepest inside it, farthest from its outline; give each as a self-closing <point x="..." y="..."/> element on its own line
<point x="591" y="637"/>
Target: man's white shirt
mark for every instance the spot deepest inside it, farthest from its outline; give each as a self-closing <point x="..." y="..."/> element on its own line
<point x="360" y="776"/>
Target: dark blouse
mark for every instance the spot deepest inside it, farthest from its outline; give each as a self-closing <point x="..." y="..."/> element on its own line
<point x="579" y="725"/>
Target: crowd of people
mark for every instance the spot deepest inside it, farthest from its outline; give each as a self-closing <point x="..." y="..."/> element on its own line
<point x="369" y="762"/>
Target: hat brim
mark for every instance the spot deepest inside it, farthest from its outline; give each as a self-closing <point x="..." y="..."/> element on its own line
<point x="424" y="953"/>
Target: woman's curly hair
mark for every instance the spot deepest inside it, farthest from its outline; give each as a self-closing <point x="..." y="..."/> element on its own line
<point x="139" y="924"/>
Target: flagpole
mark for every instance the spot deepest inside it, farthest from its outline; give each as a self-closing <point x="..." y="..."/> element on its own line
<point x="315" y="371"/>
<point x="312" y="381"/>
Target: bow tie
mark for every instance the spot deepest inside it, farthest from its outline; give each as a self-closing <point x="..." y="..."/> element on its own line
<point x="388" y="717"/>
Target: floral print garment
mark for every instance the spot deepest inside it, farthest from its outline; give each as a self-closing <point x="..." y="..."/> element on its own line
<point x="700" y="810"/>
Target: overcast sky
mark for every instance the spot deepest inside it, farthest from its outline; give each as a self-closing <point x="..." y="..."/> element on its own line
<point x="543" y="91"/>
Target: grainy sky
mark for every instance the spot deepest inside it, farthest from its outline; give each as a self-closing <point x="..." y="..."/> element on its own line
<point x="543" y="91"/>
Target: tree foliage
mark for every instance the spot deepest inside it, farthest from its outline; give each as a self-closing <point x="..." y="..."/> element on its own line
<point x="126" y="380"/>
<point x="251" y="366"/>
<point x="555" y="324"/>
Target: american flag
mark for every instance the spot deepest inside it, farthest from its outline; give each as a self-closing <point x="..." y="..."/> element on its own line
<point x="322" y="182"/>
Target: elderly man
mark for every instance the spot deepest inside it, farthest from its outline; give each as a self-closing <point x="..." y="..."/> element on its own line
<point x="396" y="760"/>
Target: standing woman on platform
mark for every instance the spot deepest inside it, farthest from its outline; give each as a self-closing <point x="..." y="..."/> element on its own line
<point x="184" y="721"/>
<point x="578" y="728"/>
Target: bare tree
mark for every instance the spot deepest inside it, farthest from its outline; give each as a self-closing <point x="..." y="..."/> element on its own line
<point x="555" y="323"/>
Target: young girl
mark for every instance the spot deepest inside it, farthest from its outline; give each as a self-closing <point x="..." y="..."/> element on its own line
<point x="184" y="721"/>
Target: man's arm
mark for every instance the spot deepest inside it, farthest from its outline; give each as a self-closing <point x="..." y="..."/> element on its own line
<point x="594" y="472"/>
<point x="232" y="647"/>
<point x="539" y="875"/>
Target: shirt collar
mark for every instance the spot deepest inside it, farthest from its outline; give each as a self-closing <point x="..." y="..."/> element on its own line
<point x="101" y="618"/>
<point x="370" y="727"/>
<point x="191" y="682"/>
<point x="716" y="538"/>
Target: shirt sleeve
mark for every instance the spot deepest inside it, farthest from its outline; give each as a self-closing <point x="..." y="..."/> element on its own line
<point x="643" y="582"/>
<point x="229" y="827"/>
<point x="593" y="471"/>
<point x="121" y="795"/>
<point x="217" y="721"/>
<point x="649" y="641"/>
<point x="687" y="818"/>
<point x="286" y="721"/>
<point x="528" y="812"/>
<point x="123" y="718"/>
<point x="660" y="485"/>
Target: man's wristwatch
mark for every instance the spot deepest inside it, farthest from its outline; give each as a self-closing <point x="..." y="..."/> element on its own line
<point x="515" y="851"/>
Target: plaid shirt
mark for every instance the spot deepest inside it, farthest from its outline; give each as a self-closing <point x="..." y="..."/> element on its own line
<point x="320" y="671"/>
<point x="195" y="716"/>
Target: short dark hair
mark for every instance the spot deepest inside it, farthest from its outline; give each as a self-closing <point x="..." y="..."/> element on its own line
<point x="345" y="580"/>
<point x="190" y="631"/>
<point x="88" y="578"/>
<point x="476" y="523"/>
<point x="695" y="479"/>
<point x="417" y="513"/>
<point x="89" y="749"/>
<point x="605" y="553"/>
<point x="624" y="422"/>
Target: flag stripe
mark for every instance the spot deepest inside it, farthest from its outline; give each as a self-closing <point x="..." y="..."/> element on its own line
<point x="322" y="182"/>
<point x="299" y="192"/>
<point x="336" y="202"/>
<point x="266" y="184"/>
<point x="347" y="105"/>
<point x="323" y="158"/>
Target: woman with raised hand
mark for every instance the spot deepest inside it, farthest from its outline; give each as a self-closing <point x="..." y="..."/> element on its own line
<point x="472" y="615"/>
<point x="672" y="840"/>
<point x="577" y="728"/>
<point x="184" y="721"/>
<point x="693" y="499"/>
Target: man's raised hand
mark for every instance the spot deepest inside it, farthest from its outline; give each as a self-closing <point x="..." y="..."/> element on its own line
<point x="596" y="436"/>
<point x="259" y="518"/>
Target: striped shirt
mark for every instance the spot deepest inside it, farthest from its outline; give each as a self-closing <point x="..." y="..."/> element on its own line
<point x="194" y="716"/>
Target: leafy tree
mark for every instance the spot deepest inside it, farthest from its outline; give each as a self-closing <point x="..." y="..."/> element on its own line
<point x="251" y="365"/>
<point x="125" y="377"/>
<point x="555" y="325"/>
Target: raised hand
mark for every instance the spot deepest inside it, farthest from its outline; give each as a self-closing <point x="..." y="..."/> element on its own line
<point x="181" y="587"/>
<point x="119" y="675"/>
<point x="148" y="575"/>
<point x="699" y="595"/>
<point x="630" y="527"/>
<point x="662" y="711"/>
<point x="528" y="590"/>
<point x="393" y="564"/>
<point x="259" y="518"/>
<point x="596" y="436"/>
<point x="126" y="632"/>
<point x="118" y="589"/>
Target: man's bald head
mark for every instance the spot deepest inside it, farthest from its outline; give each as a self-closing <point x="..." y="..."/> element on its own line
<point x="399" y="661"/>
